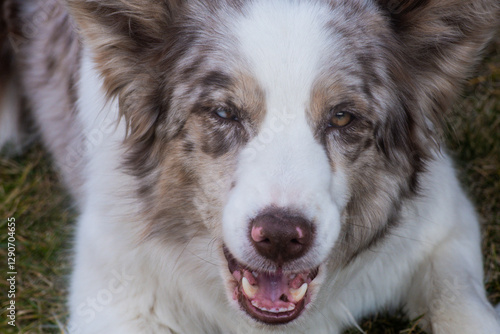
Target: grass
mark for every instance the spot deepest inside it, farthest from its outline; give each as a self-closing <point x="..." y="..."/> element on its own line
<point x="31" y="192"/>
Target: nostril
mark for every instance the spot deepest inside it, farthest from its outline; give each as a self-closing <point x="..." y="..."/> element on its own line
<point x="265" y="242"/>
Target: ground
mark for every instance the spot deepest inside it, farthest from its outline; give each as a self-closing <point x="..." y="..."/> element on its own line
<point x="30" y="191"/>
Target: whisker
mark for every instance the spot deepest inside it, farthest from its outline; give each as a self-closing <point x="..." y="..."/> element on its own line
<point x="184" y="248"/>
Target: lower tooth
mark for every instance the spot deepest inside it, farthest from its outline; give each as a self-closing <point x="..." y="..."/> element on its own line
<point x="299" y="293"/>
<point x="290" y="307"/>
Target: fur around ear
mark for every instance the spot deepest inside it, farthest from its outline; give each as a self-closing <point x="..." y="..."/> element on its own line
<point x="122" y="35"/>
<point x="441" y="42"/>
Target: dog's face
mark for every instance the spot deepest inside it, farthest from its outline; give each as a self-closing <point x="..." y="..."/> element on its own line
<point x="289" y="131"/>
<point x="279" y="113"/>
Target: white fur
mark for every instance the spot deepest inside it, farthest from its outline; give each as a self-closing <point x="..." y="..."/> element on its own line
<point x="284" y="166"/>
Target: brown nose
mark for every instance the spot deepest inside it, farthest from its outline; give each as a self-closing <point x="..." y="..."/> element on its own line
<point x="281" y="236"/>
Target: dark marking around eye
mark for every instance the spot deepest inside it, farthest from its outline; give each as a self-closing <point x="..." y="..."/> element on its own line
<point x="219" y="142"/>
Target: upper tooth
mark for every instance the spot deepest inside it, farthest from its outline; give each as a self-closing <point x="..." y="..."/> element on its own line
<point x="249" y="289"/>
<point x="299" y="293"/>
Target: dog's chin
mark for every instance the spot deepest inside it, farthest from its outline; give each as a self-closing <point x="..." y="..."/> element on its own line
<point x="271" y="298"/>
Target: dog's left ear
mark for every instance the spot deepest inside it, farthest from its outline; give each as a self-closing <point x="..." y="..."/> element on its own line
<point x="437" y="44"/>
<point x="441" y="41"/>
<point x="121" y="35"/>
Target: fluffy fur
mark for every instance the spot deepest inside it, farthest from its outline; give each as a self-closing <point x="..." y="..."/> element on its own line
<point x="178" y="124"/>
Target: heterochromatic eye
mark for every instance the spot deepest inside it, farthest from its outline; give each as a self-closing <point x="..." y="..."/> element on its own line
<point x="226" y="114"/>
<point x="341" y="119"/>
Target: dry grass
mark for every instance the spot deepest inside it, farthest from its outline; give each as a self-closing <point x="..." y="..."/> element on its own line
<point x="30" y="191"/>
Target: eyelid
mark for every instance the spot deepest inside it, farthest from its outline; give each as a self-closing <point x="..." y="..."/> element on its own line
<point x="232" y="114"/>
<point x="350" y="118"/>
<point x="345" y="107"/>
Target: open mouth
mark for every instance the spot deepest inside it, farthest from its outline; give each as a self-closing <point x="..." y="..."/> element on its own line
<point x="270" y="297"/>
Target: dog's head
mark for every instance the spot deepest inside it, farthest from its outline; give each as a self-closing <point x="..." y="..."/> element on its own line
<point x="290" y="131"/>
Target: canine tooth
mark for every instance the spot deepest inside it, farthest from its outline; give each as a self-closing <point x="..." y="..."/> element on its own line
<point x="249" y="289"/>
<point x="299" y="293"/>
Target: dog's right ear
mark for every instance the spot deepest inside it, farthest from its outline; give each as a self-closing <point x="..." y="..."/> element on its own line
<point x="119" y="22"/>
<point x="121" y="35"/>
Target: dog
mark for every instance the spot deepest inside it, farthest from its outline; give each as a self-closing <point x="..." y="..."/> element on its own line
<point x="260" y="166"/>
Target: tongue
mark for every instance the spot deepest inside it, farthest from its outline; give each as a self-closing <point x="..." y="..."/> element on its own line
<point x="274" y="292"/>
<point x="273" y="288"/>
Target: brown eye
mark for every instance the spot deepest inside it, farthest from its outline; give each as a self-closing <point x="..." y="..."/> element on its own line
<point x="341" y="119"/>
<point x="226" y="114"/>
